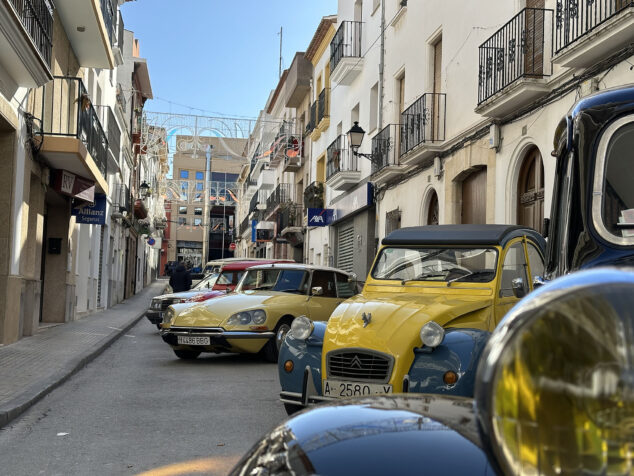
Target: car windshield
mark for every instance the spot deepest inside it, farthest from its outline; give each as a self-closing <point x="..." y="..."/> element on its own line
<point x="477" y="265"/>
<point x="285" y="280"/>
<point x="207" y="282"/>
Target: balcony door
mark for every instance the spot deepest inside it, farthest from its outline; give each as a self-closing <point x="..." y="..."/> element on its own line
<point x="530" y="206"/>
<point x="435" y="115"/>
<point x="533" y="38"/>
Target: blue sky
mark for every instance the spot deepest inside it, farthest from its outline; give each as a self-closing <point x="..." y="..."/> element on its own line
<point x="220" y="56"/>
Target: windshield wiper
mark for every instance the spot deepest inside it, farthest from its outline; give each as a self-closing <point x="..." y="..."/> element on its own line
<point x="423" y="276"/>
<point x="472" y="273"/>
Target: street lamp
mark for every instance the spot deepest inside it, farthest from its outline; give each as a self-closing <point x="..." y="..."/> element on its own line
<point x="144" y="189"/>
<point x="355" y="137"/>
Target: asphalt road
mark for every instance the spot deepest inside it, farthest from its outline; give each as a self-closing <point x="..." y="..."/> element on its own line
<point x="137" y="408"/>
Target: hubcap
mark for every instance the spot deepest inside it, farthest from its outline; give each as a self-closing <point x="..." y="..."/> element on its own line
<point x="281" y="334"/>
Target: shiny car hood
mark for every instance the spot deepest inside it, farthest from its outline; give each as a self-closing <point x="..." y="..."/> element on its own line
<point x="396" y="319"/>
<point x="215" y="312"/>
<point x="403" y="434"/>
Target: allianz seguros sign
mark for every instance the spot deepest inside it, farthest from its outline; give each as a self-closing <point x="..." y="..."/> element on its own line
<point x="91" y="213"/>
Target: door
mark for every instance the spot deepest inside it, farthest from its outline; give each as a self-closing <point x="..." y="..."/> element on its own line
<point x="474" y="198"/>
<point x="534" y="34"/>
<point x="513" y="267"/>
<point x="437" y="89"/>
<point x="345" y="249"/>
<point x="321" y="306"/>
<point x="530" y="206"/>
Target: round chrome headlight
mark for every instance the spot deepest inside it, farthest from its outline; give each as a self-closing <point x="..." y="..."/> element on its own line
<point x="555" y="384"/>
<point x="432" y="334"/>
<point x="258" y="316"/>
<point x="302" y="328"/>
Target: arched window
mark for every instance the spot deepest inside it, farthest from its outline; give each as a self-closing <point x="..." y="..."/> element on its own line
<point x="530" y="206"/>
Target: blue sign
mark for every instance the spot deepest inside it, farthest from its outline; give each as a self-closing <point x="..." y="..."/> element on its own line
<point x="91" y="213"/>
<point x="320" y="216"/>
<point x="253" y="232"/>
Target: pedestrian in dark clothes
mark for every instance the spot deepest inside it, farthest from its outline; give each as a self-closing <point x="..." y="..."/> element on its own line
<point x="180" y="280"/>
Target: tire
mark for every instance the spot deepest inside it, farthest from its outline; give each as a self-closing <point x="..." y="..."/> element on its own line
<point x="187" y="354"/>
<point x="291" y="408"/>
<point x="271" y="350"/>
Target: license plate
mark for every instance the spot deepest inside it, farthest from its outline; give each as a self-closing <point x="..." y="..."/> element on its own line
<point x="191" y="340"/>
<point x="342" y="389"/>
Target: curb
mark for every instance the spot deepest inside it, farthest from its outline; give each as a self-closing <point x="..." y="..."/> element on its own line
<point x="28" y="398"/>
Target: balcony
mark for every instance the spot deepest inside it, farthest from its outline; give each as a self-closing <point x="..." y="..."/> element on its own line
<point x="26" y="43"/>
<point x="293" y="157"/>
<point x="587" y="31"/>
<point x="266" y="179"/>
<point x="314" y="195"/>
<point x="386" y="154"/>
<point x="284" y="193"/>
<point x="513" y="63"/>
<point x="312" y="124"/>
<point x="118" y="45"/>
<point x="342" y="168"/>
<point x="245" y="227"/>
<point x="290" y="224"/>
<point x="297" y="84"/>
<point x="122" y="200"/>
<point x="346" y="61"/>
<point x="423" y="128"/>
<point x="74" y="139"/>
<point x="89" y="25"/>
<point x="107" y="118"/>
<point x="323" y="109"/>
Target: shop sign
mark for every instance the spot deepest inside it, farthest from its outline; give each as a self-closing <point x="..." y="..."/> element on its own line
<point x="320" y="216"/>
<point x="68" y="183"/>
<point x="353" y="201"/>
<point x="91" y="213"/>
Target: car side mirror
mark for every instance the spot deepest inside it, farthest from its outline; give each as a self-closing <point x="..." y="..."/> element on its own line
<point x="519" y="290"/>
<point x="539" y="281"/>
<point x="352" y="278"/>
<point x="317" y="291"/>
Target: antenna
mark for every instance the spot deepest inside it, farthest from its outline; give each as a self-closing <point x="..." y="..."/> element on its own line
<point x="280" y="69"/>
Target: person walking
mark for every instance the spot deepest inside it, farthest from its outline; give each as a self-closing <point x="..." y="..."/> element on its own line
<point x="180" y="280"/>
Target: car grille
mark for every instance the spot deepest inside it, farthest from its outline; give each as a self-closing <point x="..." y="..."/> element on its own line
<point x="365" y="365"/>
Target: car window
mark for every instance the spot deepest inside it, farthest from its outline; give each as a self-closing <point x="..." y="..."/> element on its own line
<point x="292" y="281"/>
<point x="207" y="282"/>
<point x="535" y="260"/>
<point x="325" y="280"/>
<point x="345" y="288"/>
<point x="514" y="267"/>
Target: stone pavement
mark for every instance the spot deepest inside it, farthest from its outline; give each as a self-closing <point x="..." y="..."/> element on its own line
<point x="34" y="366"/>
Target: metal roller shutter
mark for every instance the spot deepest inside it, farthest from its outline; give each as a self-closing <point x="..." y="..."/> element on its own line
<point x="345" y="249"/>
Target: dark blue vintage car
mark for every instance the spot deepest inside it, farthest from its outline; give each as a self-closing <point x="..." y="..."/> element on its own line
<point x="555" y="384"/>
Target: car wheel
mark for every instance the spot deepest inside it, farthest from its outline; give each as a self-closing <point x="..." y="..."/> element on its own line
<point x="187" y="354"/>
<point x="291" y="408"/>
<point x="272" y="348"/>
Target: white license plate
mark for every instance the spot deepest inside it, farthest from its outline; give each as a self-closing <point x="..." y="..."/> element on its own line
<point x="191" y="340"/>
<point x="342" y="389"/>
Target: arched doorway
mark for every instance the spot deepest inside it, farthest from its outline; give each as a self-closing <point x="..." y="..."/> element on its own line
<point x="530" y="206"/>
<point x="432" y="209"/>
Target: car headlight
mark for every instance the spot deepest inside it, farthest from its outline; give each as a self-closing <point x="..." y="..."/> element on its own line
<point x="302" y="328"/>
<point x="156" y="304"/>
<point x="432" y="334"/>
<point x="243" y="318"/>
<point x="555" y="389"/>
<point x="169" y="315"/>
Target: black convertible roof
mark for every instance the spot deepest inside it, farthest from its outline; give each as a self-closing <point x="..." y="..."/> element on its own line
<point x="461" y="235"/>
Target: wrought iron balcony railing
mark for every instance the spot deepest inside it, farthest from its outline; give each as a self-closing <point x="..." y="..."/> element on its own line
<point x="112" y="128"/>
<point x="314" y="195"/>
<point x="323" y="105"/>
<point x="122" y="200"/>
<point x="520" y="49"/>
<point x="339" y="158"/>
<point x="385" y="147"/>
<point x="290" y="215"/>
<point x="67" y="110"/>
<point x="244" y="225"/>
<point x="575" y="19"/>
<point x="37" y="18"/>
<point x="283" y="193"/>
<point x="346" y="43"/>
<point x="109" y="12"/>
<point x="423" y="121"/>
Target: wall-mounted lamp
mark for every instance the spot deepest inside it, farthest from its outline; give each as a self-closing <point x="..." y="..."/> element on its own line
<point x="355" y="137"/>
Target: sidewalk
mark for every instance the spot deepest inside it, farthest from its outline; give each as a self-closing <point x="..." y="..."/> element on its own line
<point x="34" y="366"/>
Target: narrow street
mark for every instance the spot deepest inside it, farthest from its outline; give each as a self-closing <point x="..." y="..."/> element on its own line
<point x="137" y="407"/>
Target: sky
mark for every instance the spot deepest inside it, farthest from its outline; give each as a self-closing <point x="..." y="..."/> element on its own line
<point x="220" y="57"/>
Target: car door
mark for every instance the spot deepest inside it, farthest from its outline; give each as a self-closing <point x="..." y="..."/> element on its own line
<point x="514" y="266"/>
<point x="321" y="306"/>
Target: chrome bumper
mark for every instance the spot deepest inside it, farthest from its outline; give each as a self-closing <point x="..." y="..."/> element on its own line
<point x="215" y="332"/>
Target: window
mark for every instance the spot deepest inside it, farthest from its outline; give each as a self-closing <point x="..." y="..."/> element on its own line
<point x="392" y="221"/>
<point x="198" y="221"/>
<point x="198" y="211"/>
<point x="514" y="267"/>
<point x="200" y="176"/>
<point x="326" y="281"/>
<point x="182" y="210"/>
<point x="182" y="221"/>
<point x="184" y="174"/>
<point x="345" y="287"/>
<point x="535" y="259"/>
<point x="199" y="186"/>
